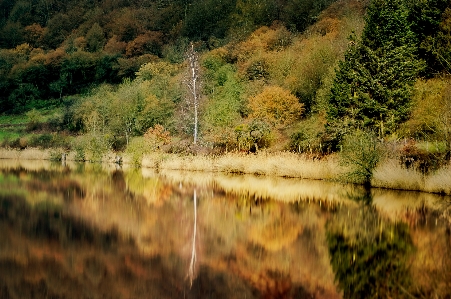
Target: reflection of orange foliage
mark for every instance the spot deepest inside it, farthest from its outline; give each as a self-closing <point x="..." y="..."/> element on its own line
<point x="135" y="267"/>
<point x="157" y="196"/>
<point x="431" y="265"/>
<point x="270" y="285"/>
<point x="276" y="235"/>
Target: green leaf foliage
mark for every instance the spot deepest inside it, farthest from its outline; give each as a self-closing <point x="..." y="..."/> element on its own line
<point x="373" y="84"/>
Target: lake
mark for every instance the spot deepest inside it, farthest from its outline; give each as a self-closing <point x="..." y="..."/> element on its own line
<point x="99" y="231"/>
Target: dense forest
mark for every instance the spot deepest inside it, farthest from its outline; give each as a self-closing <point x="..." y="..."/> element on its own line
<point x="300" y="75"/>
<point x="58" y="48"/>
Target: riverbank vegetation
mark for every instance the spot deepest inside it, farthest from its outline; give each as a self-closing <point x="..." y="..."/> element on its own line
<point x="347" y="90"/>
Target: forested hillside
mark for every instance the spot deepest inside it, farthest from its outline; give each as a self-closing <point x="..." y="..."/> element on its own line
<point x="294" y="75"/>
<point x="55" y="48"/>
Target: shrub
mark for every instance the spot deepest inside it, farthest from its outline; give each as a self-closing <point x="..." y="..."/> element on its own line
<point x="276" y="105"/>
<point x="34" y="119"/>
<point x="361" y="152"/>
<point x="42" y="141"/>
<point x="424" y="160"/>
<point x="136" y="149"/>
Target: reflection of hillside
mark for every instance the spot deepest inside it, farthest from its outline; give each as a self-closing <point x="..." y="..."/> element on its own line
<point x="38" y="261"/>
<point x="431" y="267"/>
<point x="274" y="250"/>
<point x="137" y="228"/>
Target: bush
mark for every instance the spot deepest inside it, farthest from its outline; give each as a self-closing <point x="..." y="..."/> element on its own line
<point x="42" y="141"/>
<point x="424" y="160"/>
<point x="34" y="120"/>
<point x="136" y="149"/>
<point x="19" y="143"/>
<point x="361" y="152"/>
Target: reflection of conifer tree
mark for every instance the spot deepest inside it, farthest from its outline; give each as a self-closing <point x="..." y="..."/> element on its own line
<point x="369" y="255"/>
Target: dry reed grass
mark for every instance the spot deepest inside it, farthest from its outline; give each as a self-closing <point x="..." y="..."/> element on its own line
<point x="389" y="174"/>
<point x="33" y="165"/>
<point x="439" y="181"/>
<point x="270" y="164"/>
<point x="26" y="154"/>
<point x="405" y="203"/>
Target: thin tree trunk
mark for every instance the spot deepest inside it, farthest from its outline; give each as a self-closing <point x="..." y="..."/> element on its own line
<point x="193" y="86"/>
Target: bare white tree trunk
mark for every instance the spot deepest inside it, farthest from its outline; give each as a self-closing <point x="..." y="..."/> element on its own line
<point x="193" y="86"/>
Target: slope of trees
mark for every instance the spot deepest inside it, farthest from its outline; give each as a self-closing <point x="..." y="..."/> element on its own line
<point x="106" y="41"/>
<point x="372" y="88"/>
<point x="267" y="78"/>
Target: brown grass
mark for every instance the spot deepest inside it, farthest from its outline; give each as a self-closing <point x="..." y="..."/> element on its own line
<point x="389" y="174"/>
<point x="270" y="164"/>
<point x="26" y="154"/>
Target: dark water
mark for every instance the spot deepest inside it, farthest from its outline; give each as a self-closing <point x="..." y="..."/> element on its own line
<point x="90" y="231"/>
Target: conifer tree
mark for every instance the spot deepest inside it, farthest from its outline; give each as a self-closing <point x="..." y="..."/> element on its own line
<point x="372" y="88"/>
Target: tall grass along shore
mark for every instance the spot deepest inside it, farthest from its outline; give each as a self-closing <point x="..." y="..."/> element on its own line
<point x="388" y="174"/>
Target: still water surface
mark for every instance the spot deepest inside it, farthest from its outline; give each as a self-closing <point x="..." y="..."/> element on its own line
<point x="94" y="231"/>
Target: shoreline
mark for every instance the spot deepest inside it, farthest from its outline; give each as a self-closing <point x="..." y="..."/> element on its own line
<point x="388" y="174"/>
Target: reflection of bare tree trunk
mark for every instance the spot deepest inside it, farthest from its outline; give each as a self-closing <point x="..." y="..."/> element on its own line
<point x="193" y="250"/>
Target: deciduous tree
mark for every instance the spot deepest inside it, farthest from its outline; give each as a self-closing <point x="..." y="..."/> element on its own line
<point x="277" y="106"/>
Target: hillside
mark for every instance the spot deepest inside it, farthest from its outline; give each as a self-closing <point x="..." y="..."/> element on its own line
<point x="57" y="48"/>
<point x="116" y="79"/>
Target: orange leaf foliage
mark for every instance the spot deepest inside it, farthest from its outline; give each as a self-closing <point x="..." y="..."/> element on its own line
<point x="157" y="136"/>
<point x="115" y="46"/>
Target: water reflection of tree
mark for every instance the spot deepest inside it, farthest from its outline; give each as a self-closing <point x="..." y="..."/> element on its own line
<point x="432" y="263"/>
<point x="369" y="255"/>
<point x="192" y="264"/>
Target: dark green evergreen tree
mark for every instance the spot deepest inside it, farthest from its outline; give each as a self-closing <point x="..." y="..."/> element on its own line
<point x="425" y="17"/>
<point x="372" y="88"/>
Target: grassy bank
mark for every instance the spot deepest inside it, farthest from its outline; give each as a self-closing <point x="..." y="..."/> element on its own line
<point x="388" y="174"/>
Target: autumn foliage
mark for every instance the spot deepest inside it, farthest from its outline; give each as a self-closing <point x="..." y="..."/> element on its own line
<point x="277" y="106"/>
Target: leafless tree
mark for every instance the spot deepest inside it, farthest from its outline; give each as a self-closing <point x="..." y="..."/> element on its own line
<point x="193" y="85"/>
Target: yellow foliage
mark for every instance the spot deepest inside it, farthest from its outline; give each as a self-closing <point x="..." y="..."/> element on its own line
<point x="23" y="49"/>
<point x="276" y="105"/>
<point x="428" y="103"/>
<point x="159" y="68"/>
<point x="263" y="39"/>
<point x="221" y="53"/>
